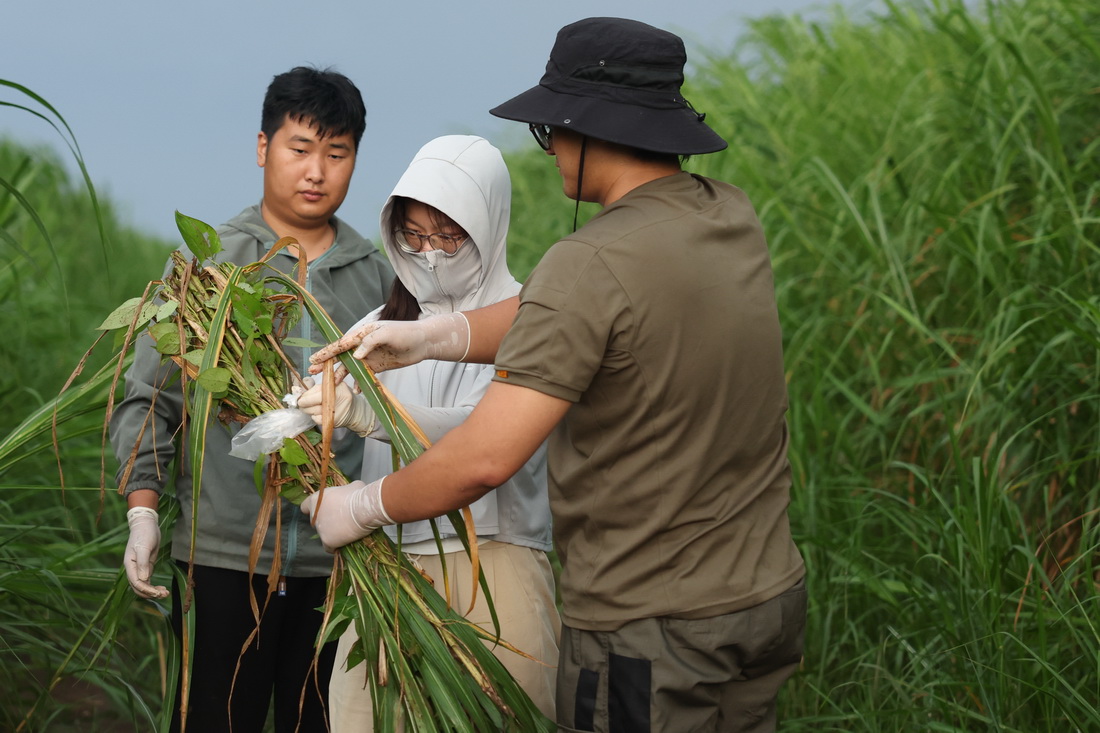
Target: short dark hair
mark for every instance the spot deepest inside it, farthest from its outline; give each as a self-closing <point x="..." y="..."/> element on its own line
<point x="322" y="97"/>
<point x="649" y="156"/>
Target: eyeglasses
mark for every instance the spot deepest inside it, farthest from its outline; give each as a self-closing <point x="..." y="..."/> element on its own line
<point x="544" y="136"/>
<point x="413" y="242"/>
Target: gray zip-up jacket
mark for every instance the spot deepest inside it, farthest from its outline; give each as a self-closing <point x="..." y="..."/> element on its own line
<point x="466" y="178"/>
<point x="349" y="279"/>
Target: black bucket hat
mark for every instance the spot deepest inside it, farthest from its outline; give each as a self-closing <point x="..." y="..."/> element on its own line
<point x="617" y="80"/>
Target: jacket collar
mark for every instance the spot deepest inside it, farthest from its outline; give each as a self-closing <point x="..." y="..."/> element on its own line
<point x="348" y="247"/>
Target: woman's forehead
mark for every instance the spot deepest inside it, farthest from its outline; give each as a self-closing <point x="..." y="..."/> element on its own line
<point x="422" y="216"/>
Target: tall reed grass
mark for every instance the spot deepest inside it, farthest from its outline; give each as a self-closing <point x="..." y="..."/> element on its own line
<point x="81" y="663"/>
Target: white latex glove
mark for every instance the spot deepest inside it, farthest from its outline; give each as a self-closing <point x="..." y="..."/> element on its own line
<point x="392" y="344"/>
<point x="349" y="512"/>
<point x="350" y="411"/>
<point x="141" y="552"/>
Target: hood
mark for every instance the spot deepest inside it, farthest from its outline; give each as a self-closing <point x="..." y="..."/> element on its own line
<point x="463" y="176"/>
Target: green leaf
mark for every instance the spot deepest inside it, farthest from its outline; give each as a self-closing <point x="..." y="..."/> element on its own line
<point x="166" y="310"/>
<point x="258" y="475"/>
<point x="293" y="453"/>
<point x="122" y="316"/>
<point x="262" y="356"/>
<point x="246" y="325"/>
<point x="336" y="629"/>
<point x="195" y="356"/>
<point x="215" y="380"/>
<point x="294" y="492"/>
<point x="264" y="323"/>
<point x="250" y="381"/>
<point x="201" y="238"/>
<point x="119" y="341"/>
<point x="158" y="330"/>
<point x="298" y="342"/>
<point x="167" y="337"/>
<point x="252" y="312"/>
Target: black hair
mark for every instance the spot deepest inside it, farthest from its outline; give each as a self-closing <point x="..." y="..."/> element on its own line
<point x="651" y="156"/>
<point x="401" y="305"/>
<point x="327" y="100"/>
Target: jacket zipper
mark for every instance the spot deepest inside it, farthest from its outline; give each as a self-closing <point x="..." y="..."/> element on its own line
<point x="439" y="286"/>
<point x="306" y="329"/>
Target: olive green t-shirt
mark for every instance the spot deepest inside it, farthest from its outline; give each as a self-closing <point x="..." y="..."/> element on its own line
<point x="669" y="476"/>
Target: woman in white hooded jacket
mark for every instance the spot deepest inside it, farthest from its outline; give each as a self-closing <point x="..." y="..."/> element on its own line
<point x="444" y="228"/>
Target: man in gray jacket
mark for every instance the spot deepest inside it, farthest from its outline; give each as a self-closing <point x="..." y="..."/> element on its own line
<point x="311" y="126"/>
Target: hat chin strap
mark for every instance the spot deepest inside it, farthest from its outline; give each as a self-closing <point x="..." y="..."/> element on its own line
<point x="580" y="179"/>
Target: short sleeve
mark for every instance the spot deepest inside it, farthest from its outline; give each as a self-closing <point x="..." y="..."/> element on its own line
<point x="567" y="312"/>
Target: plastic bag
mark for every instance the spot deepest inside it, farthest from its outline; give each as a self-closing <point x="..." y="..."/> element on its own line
<point x="265" y="433"/>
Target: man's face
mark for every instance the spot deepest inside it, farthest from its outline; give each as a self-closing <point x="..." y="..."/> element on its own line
<point x="565" y="147"/>
<point x="305" y="177"/>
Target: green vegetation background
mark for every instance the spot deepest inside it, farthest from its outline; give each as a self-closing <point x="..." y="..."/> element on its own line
<point x="929" y="181"/>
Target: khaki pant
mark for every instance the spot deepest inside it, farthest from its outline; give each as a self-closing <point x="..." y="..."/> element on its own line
<point x="522" y="585"/>
<point x="666" y="675"/>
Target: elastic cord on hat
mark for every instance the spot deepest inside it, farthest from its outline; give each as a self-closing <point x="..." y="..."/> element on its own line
<point x="580" y="179"/>
<point x="701" y="115"/>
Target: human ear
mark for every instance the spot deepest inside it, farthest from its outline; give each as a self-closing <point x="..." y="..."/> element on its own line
<point x="261" y="149"/>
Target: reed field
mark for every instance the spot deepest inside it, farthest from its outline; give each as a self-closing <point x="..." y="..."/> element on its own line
<point x="66" y="260"/>
<point x="929" y="181"/>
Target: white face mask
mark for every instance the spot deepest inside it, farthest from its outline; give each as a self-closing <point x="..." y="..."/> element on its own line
<point x="447" y="277"/>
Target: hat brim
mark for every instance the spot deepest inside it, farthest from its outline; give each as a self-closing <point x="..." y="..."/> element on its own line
<point x="676" y="131"/>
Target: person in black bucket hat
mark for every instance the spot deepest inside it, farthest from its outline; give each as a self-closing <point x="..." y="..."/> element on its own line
<point x="647" y="347"/>
<point x="619" y="81"/>
<point x="615" y="80"/>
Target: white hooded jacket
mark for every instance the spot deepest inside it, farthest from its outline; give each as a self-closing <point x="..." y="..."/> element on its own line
<point x="465" y="177"/>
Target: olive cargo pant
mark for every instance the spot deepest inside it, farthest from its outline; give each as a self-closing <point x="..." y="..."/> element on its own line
<point x="719" y="674"/>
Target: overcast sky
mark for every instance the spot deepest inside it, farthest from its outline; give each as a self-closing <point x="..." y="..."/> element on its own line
<point x="164" y="98"/>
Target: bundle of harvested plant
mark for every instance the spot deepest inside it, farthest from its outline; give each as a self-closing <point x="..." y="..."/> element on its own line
<point x="222" y="324"/>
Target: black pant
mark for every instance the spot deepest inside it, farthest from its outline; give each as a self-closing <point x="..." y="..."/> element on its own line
<point x="279" y="660"/>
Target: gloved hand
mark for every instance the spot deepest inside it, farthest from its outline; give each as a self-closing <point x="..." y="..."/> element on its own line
<point x="350" y="411"/>
<point x="392" y="344"/>
<point x="348" y="513"/>
<point x="141" y="552"/>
